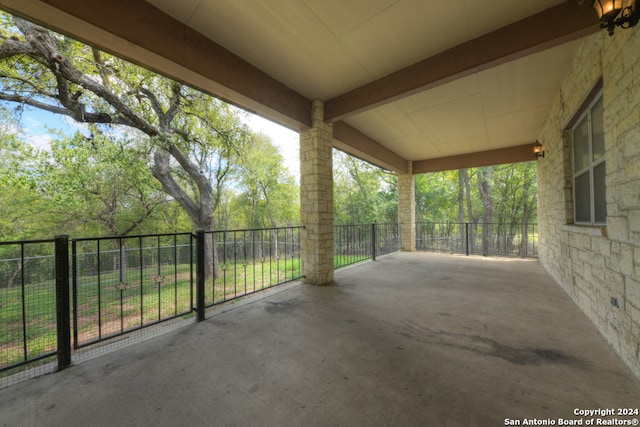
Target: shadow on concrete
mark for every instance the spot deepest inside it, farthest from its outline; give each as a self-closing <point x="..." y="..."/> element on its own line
<point x="411" y="339"/>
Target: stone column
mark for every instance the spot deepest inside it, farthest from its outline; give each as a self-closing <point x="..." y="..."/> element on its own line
<point x="407" y="210"/>
<point x="316" y="199"/>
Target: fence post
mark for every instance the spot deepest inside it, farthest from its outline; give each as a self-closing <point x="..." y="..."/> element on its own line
<point x="200" y="272"/>
<point x="74" y="281"/>
<point x="63" y="311"/>
<point x="466" y="233"/>
<point x="373" y="240"/>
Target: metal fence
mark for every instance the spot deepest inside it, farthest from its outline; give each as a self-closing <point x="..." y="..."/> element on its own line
<point x="359" y="242"/>
<point x="121" y="284"/>
<point x="27" y="302"/>
<point x="247" y="261"/>
<point x="58" y="296"/>
<point x="499" y="239"/>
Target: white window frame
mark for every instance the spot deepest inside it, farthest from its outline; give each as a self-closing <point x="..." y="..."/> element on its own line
<point x="590" y="166"/>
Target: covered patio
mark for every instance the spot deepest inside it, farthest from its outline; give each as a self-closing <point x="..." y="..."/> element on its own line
<point x="410" y="339"/>
<point x="413" y="87"/>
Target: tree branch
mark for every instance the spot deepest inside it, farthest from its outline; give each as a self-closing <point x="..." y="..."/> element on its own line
<point x="174" y="104"/>
<point x="43" y="46"/>
<point x="102" y="68"/>
<point x="155" y="104"/>
<point x="99" y="118"/>
<point x="12" y="47"/>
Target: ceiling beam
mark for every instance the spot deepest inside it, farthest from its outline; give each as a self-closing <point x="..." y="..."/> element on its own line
<point x="143" y="34"/>
<point x="350" y="140"/>
<point x="552" y="27"/>
<point x="500" y="156"/>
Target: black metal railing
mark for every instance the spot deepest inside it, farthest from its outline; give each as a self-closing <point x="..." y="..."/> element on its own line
<point x="354" y="243"/>
<point x="121" y="284"/>
<point x="495" y="239"/>
<point x="27" y="302"/>
<point x="240" y="262"/>
<point x="387" y="238"/>
<point x="59" y="295"/>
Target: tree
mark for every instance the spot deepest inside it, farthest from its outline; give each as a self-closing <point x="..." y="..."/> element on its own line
<point x="461" y="192"/>
<point x="362" y="192"/>
<point x="100" y="184"/>
<point x="21" y="204"/>
<point x="514" y="205"/>
<point x="504" y="195"/>
<point x="485" y="190"/>
<point x="270" y="197"/>
<point x="436" y="197"/>
<point x="20" y="201"/>
<point x="192" y="139"/>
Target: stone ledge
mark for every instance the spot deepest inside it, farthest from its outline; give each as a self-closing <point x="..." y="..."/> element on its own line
<point x="589" y="230"/>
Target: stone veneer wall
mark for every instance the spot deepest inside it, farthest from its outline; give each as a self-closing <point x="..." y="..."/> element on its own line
<point x="407" y="211"/>
<point x="596" y="264"/>
<point x="316" y="199"/>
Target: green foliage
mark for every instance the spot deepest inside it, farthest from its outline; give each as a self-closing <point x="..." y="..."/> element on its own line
<point x="515" y="189"/>
<point x="185" y="143"/>
<point x="362" y="192"/>
<point x="269" y="196"/>
<point x="100" y="185"/>
<point x="513" y="195"/>
<point x="20" y="200"/>
<point x="143" y="297"/>
<point x="437" y="197"/>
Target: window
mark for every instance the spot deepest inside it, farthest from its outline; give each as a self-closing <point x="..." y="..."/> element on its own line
<point x="589" y="190"/>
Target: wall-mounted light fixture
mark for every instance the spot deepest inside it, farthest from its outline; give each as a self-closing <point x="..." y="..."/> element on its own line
<point x="538" y="150"/>
<point x="617" y="13"/>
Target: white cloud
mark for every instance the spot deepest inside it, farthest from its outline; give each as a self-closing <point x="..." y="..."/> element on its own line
<point x="39" y="141"/>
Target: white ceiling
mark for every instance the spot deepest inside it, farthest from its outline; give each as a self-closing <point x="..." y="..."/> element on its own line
<point x="501" y="107"/>
<point x="323" y="48"/>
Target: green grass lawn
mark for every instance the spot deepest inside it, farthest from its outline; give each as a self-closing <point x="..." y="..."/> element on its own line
<point x="239" y="279"/>
<point x="39" y="326"/>
<point x="107" y="307"/>
<point x="344" y="260"/>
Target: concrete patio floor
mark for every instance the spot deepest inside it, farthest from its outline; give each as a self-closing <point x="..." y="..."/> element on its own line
<point x="413" y="339"/>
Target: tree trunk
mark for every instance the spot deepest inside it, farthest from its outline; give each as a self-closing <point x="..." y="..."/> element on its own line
<point x="201" y="214"/>
<point x="14" y="276"/>
<point x="524" y="241"/>
<point x="484" y="186"/>
<point x="211" y="268"/>
<point x="470" y="219"/>
<point x="463" y="240"/>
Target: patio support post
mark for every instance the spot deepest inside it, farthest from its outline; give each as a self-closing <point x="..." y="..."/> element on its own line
<point x="316" y="199"/>
<point x="63" y="308"/>
<point x="407" y="210"/>
<point x="200" y="272"/>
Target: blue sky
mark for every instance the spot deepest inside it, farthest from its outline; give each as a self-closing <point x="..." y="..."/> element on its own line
<point x="35" y="124"/>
